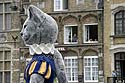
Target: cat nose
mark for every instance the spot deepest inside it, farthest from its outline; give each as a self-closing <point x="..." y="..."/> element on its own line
<point x="21" y="34"/>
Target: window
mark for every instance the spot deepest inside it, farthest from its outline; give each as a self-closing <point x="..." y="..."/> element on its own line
<point x="1" y="77"/>
<point x="7" y="77"/>
<point x="99" y="4"/>
<point x="60" y="5"/>
<point x="119" y="58"/>
<point x="91" y="33"/>
<point x="71" y="66"/>
<point x="5" y="16"/>
<point x="120" y="23"/>
<point x="79" y="1"/>
<point x="5" y="66"/>
<point x="90" y="69"/>
<point x="70" y="34"/>
<point x="26" y="0"/>
<point x="41" y="4"/>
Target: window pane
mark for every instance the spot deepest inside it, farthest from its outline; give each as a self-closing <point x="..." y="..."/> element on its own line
<point x="1" y="22"/>
<point x="80" y="1"/>
<point x="8" y="21"/>
<point x="120" y="20"/>
<point x="71" y="35"/>
<point x="85" y="62"/>
<point x="57" y="4"/>
<point x="87" y="69"/>
<point x="89" y="62"/>
<point x="7" y="55"/>
<point x="0" y="77"/>
<point x="7" y="7"/>
<point x="74" y="34"/>
<point x="7" y="65"/>
<point x="95" y="73"/>
<point x="65" y="4"/>
<point x="26" y="0"/>
<point x="1" y="65"/>
<point x="87" y="73"/>
<point x="67" y="34"/>
<point x="124" y="26"/>
<point x="71" y="69"/>
<point x="90" y="69"/>
<point x="8" y="0"/>
<point x="124" y="14"/>
<point x="1" y="7"/>
<point x="94" y="62"/>
<point x="1" y="55"/>
<point x="7" y="77"/>
<point x="74" y="63"/>
<point x="119" y="15"/>
<point x="119" y="26"/>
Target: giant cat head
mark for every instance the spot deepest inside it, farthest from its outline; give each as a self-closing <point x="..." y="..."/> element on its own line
<point x="39" y="27"/>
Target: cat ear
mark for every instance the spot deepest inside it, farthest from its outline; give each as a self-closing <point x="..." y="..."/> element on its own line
<point x="30" y="12"/>
<point x="33" y="14"/>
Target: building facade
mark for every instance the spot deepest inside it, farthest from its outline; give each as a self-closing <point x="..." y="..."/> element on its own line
<point x="80" y="38"/>
<point x="114" y="39"/>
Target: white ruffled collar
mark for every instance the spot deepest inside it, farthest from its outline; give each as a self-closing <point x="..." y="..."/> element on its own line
<point x="42" y="48"/>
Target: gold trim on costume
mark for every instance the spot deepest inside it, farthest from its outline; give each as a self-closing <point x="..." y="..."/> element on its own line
<point x="47" y="76"/>
<point x="32" y="67"/>
<point x="42" y="69"/>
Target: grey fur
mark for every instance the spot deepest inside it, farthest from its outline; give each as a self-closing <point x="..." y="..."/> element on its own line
<point x="36" y="78"/>
<point x="42" y="28"/>
<point x="60" y="68"/>
<point x="39" y="27"/>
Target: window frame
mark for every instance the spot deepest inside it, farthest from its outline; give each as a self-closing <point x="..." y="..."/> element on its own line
<point x="71" y="67"/>
<point x="123" y="23"/>
<point x="5" y="68"/>
<point x="65" y="42"/>
<point x="26" y="1"/>
<point x="118" y="57"/>
<point x="4" y="14"/>
<point x="91" y="66"/>
<point x="84" y="33"/>
<point x="61" y="6"/>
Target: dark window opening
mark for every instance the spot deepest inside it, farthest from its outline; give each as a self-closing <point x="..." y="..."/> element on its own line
<point x="120" y="64"/>
<point x="25" y="0"/>
<point x="7" y="77"/>
<point x="74" y="34"/>
<point x="91" y="33"/>
<point x="71" y="35"/>
<point x="65" y="4"/>
<point x="1" y="77"/>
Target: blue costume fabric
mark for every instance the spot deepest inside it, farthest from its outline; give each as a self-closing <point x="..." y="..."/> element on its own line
<point x="43" y="65"/>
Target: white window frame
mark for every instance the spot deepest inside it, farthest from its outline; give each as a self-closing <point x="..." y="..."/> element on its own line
<point x="71" y="57"/>
<point x="91" y="68"/>
<point x="61" y="6"/>
<point x="65" y="32"/>
<point x="84" y="33"/>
